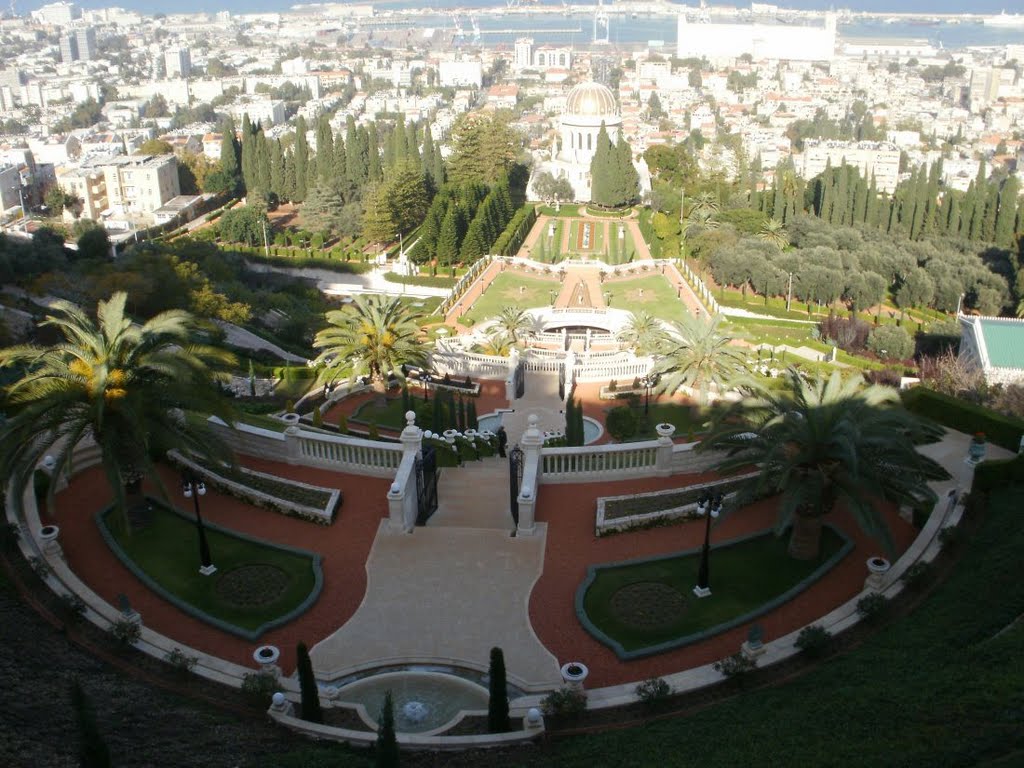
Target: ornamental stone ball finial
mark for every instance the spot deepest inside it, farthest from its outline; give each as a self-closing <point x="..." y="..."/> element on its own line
<point x="410" y="418"/>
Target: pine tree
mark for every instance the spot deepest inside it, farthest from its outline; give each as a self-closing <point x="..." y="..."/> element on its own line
<point x="386" y="752"/>
<point x="474" y="244"/>
<point x="311" y="710"/>
<point x="379" y="220"/>
<point x="497" y="705"/>
<point x="448" y="237"/>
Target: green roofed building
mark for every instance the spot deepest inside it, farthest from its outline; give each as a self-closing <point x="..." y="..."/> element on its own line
<point x="996" y="346"/>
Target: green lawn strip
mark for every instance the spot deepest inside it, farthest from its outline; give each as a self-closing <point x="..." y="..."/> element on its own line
<point x="511" y="290"/>
<point x="749" y="575"/>
<point x="618" y="508"/>
<point x="164" y="554"/>
<point x="565" y="209"/>
<point x="390" y="416"/>
<point x="278" y="487"/>
<point x="659" y="297"/>
<point x="687" y="420"/>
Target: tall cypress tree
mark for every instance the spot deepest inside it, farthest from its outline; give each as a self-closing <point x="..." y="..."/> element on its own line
<point x="497" y="705"/>
<point x="626" y="179"/>
<point x="277" y="169"/>
<point x="448" y="237"/>
<point x="92" y="749"/>
<point x="386" y="752"/>
<point x="311" y="710"/>
<point x="301" y="159"/>
<point x="988" y="222"/>
<point x="1006" y="217"/>
<point x="602" y="169"/>
<point x="247" y="154"/>
<point x="967" y="210"/>
<point x="413" y="149"/>
<point x="230" y="152"/>
<point x="375" y="171"/>
<point x="325" y="166"/>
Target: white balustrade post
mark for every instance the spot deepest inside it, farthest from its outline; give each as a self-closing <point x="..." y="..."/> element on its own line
<point x="510" y="380"/>
<point x="412" y="436"/>
<point x="412" y="442"/>
<point x="531" y="443"/>
<point x="663" y="464"/>
<point x="293" y="452"/>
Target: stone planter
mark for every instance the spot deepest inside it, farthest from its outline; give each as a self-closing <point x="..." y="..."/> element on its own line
<point x="574" y="674"/>
<point x="877" y="568"/>
<point x="266" y="656"/>
<point x="665" y="430"/>
<point x="976" y="450"/>
<point x="291" y="419"/>
<point x="48" y="540"/>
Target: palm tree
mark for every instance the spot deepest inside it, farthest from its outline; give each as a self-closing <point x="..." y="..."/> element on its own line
<point x="513" y="321"/>
<point x="137" y="391"/>
<point x="373" y="336"/>
<point x="824" y="441"/>
<point x="704" y="206"/>
<point x="697" y="354"/>
<point x="644" y="333"/>
<point x="496" y="342"/>
<point x="773" y="231"/>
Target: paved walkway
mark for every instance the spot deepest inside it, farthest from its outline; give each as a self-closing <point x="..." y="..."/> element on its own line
<point x="591" y="279"/>
<point x="540" y="398"/>
<point x="445" y="594"/>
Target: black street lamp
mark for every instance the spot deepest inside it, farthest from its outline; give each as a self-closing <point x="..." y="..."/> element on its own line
<point x="192" y="488"/>
<point x="649" y="382"/>
<point x="710" y="507"/>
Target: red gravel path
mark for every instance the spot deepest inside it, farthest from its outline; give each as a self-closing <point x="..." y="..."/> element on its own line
<point x="569" y="511"/>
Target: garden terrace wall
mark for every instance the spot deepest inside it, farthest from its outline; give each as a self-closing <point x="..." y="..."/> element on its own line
<point x="606" y="523"/>
<point x="324" y="515"/>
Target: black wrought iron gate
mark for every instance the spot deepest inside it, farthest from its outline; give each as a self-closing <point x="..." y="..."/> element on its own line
<point x="519" y="379"/>
<point x="426" y="484"/>
<point x="515" y="478"/>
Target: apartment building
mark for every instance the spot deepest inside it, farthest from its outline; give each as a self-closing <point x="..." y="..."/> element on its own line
<point x="879" y="158"/>
<point x="88" y="185"/>
<point x="138" y="183"/>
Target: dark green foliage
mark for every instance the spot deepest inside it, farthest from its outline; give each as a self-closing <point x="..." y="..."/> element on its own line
<point x="952" y="412"/>
<point x="566" y="702"/>
<point x="621" y="422"/>
<point x="471" y="417"/>
<point x="94" y="244"/>
<point x="92" y="749"/>
<point x="873" y="607"/>
<point x="653" y="693"/>
<point x="386" y="752"/>
<point x="307" y="684"/>
<point x="814" y="641"/>
<point x="497" y="705"/>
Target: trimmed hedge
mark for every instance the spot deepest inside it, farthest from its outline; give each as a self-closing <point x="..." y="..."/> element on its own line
<point x="508" y="242"/>
<point x="962" y="416"/>
<point x="999" y="473"/>
<point x="304" y="262"/>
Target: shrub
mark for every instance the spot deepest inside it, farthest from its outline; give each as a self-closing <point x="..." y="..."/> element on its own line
<point x="737" y="666"/>
<point x="126" y="632"/>
<point x="872" y="607"/>
<point x="39" y="567"/>
<point x="918" y="575"/>
<point x="566" y="702"/>
<point x="613" y="385"/>
<point x="621" y="422"/>
<point x="848" y="334"/>
<point x="343" y="423"/>
<point x="9" y="535"/>
<point x="387" y="742"/>
<point x="180" y="661"/>
<point x="373" y="433"/>
<point x="72" y="607"/>
<point x="814" y="641"/>
<point x="951" y="536"/>
<point x="289" y="406"/>
<point x="258" y="687"/>
<point x="653" y="692"/>
<point x="318" y="418"/>
<point x="890" y="342"/>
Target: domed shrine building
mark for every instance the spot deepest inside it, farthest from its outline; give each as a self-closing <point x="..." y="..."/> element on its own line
<point x="587" y="106"/>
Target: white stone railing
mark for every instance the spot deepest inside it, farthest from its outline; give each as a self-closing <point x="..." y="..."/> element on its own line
<point x="297" y="446"/>
<point x="591" y="371"/>
<point x="470" y="364"/>
<point x="609" y="462"/>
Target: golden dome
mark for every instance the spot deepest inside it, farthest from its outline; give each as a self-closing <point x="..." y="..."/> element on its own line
<point x="591" y="100"/>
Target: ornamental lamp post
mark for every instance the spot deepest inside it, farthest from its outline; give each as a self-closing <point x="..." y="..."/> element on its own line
<point x="191" y="488"/>
<point x="710" y="507"/>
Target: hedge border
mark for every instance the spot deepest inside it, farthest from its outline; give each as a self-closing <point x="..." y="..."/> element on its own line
<point x="704" y="634"/>
<point x="965" y="417"/>
<point x="191" y="610"/>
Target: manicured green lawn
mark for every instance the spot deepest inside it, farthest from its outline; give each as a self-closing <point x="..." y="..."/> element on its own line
<point x="653" y="294"/>
<point x="166" y="549"/>
<point x="391" y="415"/>
<point x="744" y="577"/>
<point x="687" y="420"/>
<point x="512" y="290"/>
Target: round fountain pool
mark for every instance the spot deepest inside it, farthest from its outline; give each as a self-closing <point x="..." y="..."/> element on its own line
<point x="592" y="430"/>
<point x="424" y="701"/>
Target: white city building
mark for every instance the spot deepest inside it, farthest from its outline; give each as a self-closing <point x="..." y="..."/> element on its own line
<point x="879" y="158"/>
<point x="762" y="41"/>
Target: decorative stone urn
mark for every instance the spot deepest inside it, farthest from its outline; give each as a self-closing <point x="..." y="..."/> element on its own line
<point x="976" y="450"/>
<point x="665" y="429"/>
<point x="291" y="419"/>
<point x="266" y="656"/>
<point x="574" y="674"/>
<point x="877" y="568"/>
<point x="48" y="540"/>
